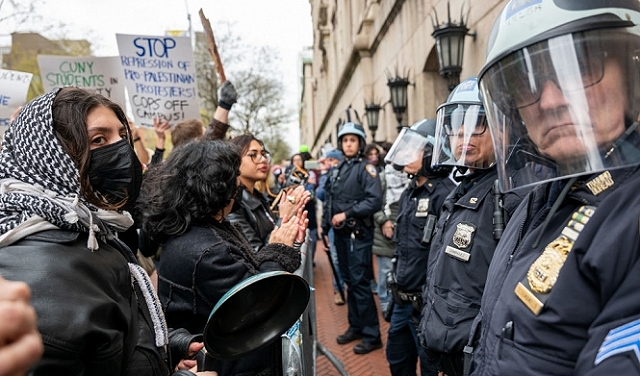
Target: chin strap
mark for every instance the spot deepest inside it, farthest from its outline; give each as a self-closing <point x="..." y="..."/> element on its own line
<point x="632" y="128"/>
<point x="554" y="208"/>
<point x="459" y="173"/>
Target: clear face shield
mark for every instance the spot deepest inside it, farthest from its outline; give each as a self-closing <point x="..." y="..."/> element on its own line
<point x="407" y="148"/>
<point x="563" y="107"/>
<point x="462" y="137"/>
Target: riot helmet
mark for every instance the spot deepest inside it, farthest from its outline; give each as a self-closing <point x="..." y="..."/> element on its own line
<point x="561" y="88"/>
<point x="462" y="137"/>
<point x="416" y="143"/>
<point x="355" y="129"/>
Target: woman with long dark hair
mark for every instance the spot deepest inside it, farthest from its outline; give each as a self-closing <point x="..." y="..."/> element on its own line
<point x="67" y="171"/>
<point x="252" y="211"/>
<point x="185" y="204"/>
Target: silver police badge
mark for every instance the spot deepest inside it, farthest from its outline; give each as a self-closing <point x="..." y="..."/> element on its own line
<point x="463" y="235"/>
<point x="423" y="207"/>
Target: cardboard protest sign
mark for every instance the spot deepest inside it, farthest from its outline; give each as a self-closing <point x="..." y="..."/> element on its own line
<point x="102" y="75"/>
<point x="160" y="77"/>
<point x="14" y="86"/>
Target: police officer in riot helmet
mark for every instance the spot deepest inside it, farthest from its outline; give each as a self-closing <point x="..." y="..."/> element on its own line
<point x="354" y="194"/>
<point x="562" y="85"/>
<point x="472" y="219"/>
<point x="418" y="211"/>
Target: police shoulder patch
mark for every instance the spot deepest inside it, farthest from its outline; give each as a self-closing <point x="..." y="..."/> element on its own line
<point x="371" y="169"/>
<point x="625" y="338"/>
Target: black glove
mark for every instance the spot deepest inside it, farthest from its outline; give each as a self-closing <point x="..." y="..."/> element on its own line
<point x="228" y="95"/>
<point x="179" y="341"/>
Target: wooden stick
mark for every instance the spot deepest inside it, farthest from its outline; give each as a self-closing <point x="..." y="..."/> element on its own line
<point x="212" y="46"/>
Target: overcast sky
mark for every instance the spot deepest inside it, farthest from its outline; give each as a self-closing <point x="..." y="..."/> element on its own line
<point x="284" y="25"/>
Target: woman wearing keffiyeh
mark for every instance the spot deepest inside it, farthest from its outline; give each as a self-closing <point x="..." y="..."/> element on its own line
<point x="67" y="171"/>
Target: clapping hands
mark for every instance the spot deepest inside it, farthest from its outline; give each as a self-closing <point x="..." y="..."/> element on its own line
<point x="292" y="201"/>
<point x="292" y="229"/>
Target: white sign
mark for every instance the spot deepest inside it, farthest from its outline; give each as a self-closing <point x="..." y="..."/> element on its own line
<point x="14" y="86"/>
<point x="160" y="77"/>
<point x="102" y="75"/>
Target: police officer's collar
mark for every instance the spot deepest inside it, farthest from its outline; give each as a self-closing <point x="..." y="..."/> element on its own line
<point x="356" y="158"/>
<point x="429" y="184"/>
<point x="463" y="174"/>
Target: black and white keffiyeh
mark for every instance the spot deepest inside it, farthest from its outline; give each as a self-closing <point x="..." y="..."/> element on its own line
<point x="40" y="190"/>
<point x="39" y="182"/>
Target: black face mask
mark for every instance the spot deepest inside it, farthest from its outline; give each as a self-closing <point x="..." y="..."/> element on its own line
<point x="116" y="173"/>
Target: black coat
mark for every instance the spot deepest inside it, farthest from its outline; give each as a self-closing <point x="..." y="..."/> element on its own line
<point x="411" y="253"/>
<point x="253" y="216"/>
<point x="594" y="305"/>
<point x="89" y="314"/>
<point x="198" y="267"/>
<point x="353" y="188"/>
<point x="459" y="259"/>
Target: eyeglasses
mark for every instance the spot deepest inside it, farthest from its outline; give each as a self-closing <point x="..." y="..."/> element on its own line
<point x="571" y="62"/>
<point x="256" y="157"/>
<point x="478" y="130"/>
<point x="470" y="119"/>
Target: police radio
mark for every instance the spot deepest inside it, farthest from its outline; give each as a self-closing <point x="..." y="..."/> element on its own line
<point x="429" y="227"/>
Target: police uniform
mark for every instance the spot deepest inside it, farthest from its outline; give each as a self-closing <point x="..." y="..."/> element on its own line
<point x="460" y="254"/>
<point x="569" y="305"/>
<point x="417" y="206"/>
<point x="354" y="188"/>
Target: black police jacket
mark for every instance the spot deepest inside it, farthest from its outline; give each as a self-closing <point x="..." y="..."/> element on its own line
<point x="459" y="258"/>
<point x="92" y="318"/>
<point x="588" y="321"/>
<point x="353" y="188"/>
<point x="411" y="252"/>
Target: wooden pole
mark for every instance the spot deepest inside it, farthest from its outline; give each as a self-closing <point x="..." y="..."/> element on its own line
<point x="212" y="47"/>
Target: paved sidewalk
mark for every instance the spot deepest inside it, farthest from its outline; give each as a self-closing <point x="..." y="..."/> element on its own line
<point x="331" y="321"/>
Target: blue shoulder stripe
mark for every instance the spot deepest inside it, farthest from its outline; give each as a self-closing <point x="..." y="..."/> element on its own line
<point x="619" y="340"/>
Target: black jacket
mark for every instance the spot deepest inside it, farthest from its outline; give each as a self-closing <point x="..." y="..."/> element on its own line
<point x="198" y="267"/>
<point x="411" y="254"/>
<point x="353" y="188"/>
<point x="459" y="258"/>
<point x="589" y="319"/>
<point x="93" y="319"/>
<point x="253" y="216"/>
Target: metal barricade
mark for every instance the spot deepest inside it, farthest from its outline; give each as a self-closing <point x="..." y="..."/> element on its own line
<point x="300" y="343"/>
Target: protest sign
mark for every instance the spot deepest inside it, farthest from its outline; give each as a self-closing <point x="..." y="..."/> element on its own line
<point x="160" y="77"/>
<point x="102" y="75"/>
<point x="14" y="86"/>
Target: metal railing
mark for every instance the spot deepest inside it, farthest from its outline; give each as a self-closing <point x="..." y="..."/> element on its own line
<point x="300" y="344"/>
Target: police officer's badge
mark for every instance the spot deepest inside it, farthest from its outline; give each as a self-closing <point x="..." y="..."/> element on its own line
<point x="533" y="290"/>
<point x="371" y="169"/>
<point x="543" y="273"/>
<point x="462" y="239"/>
<point x="463" y="235"/>
<point x="423" y="207"/>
